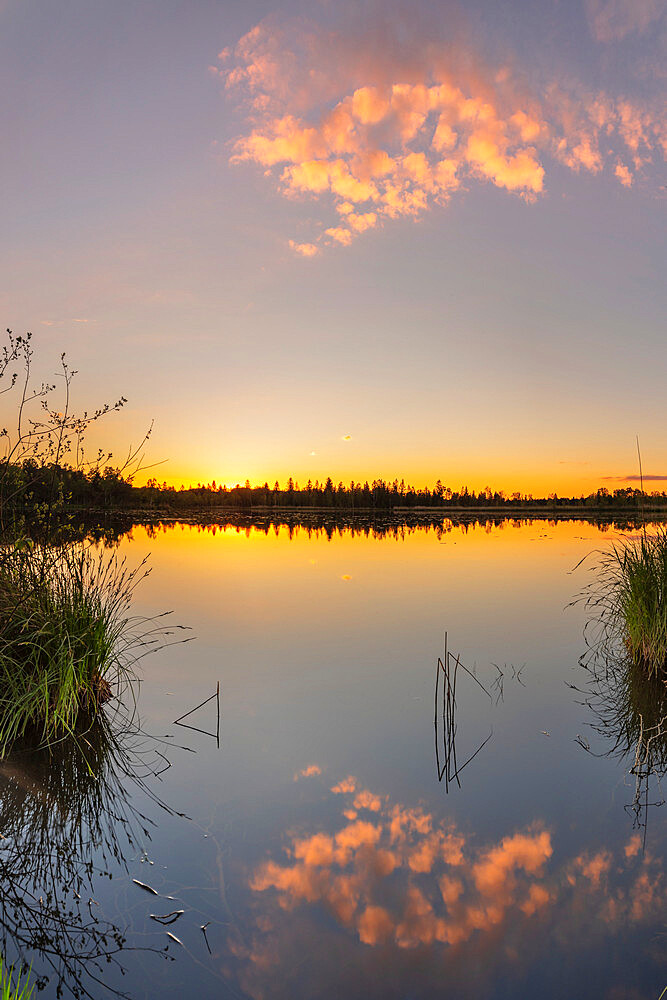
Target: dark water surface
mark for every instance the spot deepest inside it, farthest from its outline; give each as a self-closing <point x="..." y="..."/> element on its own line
<point x="318" y="845"/>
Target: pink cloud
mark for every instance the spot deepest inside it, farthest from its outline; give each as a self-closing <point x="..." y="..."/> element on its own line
<point x="623" y="174"/>
<point x="346" y="786"/>
<point x="340" y="235"/>
<point x="367" y="800"/>
<point x="373" y="133"/>
<point x="522" y="851"/>
<point x="633" y="846"/>
<point x="315" y="851"/>
<point x="593" y="868"/>
<point x="375" y="925"/>
<point x="304" y="249"/>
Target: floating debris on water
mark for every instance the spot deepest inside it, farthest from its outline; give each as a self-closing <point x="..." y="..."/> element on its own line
<point x="148" y="888"/>
<point x="167" y="918"/>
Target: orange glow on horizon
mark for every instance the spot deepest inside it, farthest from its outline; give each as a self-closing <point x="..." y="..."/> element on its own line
<point x="538" y="485"/>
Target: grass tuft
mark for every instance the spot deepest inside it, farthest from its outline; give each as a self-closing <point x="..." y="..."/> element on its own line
<point x="628" y="599"/>
<point x="10" y="990"/>
<point x="65" y="637"/>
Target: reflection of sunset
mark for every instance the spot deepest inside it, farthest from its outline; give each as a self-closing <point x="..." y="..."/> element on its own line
<point x="400" y="560"/>
<point x="390" y="875"/>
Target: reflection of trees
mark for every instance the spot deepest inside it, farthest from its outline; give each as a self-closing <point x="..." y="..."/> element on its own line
<point x="111" y="527"/>
<point x="394" y="525"/>
<point x="78" y="526"/>
<point x="66" y="815"/>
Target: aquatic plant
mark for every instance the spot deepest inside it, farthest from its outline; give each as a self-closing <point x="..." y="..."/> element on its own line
<point x="624" y="688"/>
<point x="67" y="639"/>
<point x="10" y="990"/>
<point x="627" y="600"/>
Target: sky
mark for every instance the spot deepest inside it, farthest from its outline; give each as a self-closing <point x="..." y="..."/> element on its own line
<point x="363" y="240"/>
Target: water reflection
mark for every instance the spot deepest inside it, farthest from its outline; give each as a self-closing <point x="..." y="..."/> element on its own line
<point x="629" y="714"/>
<point x="67" y="819"/>
<point x="385" y="890"/>
<point x="533" y="882"/>
<point x="111" y="528"/>
<point x="315" y="525"/>
<point x="447" y="670"/>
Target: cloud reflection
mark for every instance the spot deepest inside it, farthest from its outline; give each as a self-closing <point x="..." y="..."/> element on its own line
<point x="391" y="877"/>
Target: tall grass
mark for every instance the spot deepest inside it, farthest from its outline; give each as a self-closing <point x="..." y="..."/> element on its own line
<point x="628" y="599"/>
<point x="10" y="990"/>
<point x="65" y="637"/>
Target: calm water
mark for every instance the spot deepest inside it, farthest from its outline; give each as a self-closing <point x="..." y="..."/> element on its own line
<point x="318" y="844"/>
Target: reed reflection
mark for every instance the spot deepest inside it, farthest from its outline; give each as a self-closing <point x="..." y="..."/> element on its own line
<point x="67" y="819"/>
<point x="448" y="764"/>
<point x="629" y="714"/>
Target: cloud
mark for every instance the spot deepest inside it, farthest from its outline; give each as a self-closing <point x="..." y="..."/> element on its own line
<point x="372" y="132"/>
<point x="308" y="772"/>
<point x="366" y="799"/>
<point x="304" y="249"/>
<point x="624" y="175"/>
<point x="375" y="925"/>
<point x="612" y="20"/>
<point x="521" y="851"/>
<point x="595" y="867"/>
<point x="62" y="322"/>
<point x="635" y="478"/>
<point x="343" y="236"/>
<point x="345" y="786"/>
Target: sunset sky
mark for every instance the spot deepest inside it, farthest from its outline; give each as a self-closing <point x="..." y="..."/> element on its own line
<point x="422" y="240"/>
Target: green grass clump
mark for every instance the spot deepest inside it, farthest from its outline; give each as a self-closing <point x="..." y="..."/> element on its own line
<point x="629" y="598"/>
<point x="64" y="637"/>
<point x="10" y="990"/>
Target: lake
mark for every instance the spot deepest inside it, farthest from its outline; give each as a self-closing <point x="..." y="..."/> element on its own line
<point x="324" y="846"/>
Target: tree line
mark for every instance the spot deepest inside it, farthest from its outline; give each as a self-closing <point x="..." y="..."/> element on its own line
<point x="30" y="483"/>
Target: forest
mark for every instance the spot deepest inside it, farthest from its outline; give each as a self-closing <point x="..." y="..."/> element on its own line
<point x="30" y="483"/>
